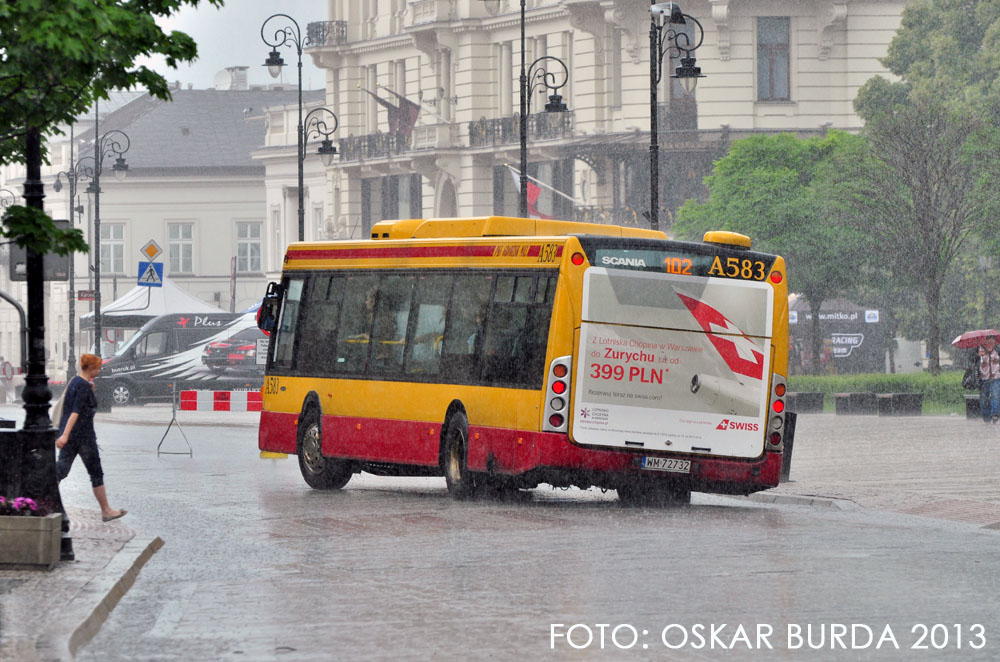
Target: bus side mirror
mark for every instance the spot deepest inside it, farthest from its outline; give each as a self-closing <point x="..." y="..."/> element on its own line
<point x="267" y="314"/>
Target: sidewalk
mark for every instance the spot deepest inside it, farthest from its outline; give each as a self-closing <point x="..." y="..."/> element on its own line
<point x="941" y="467"/>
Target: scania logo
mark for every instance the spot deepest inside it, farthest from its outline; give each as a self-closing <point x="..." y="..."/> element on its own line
<point x="623" y="261"/>
<point x="727" y="424"/>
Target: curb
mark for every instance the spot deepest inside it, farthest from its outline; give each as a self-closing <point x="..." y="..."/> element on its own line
<point x="803" y="500"/>
<point x="90" y="608"/>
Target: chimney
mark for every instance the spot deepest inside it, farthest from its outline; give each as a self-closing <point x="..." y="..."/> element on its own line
<point x="238" y="78"/>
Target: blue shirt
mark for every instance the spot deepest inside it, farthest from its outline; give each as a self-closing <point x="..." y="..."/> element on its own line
<point x="79" y="398"/>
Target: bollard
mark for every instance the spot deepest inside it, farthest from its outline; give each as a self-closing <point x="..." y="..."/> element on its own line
<point x="786" y="459"/>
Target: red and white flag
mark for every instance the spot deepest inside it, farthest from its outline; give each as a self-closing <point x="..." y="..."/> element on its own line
<point x="737" y="350"/>
<point x="534" y="190"/>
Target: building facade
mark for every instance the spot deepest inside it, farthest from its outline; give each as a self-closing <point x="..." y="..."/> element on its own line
<point x="771" y="65"/>
<point x="193" y="188"/>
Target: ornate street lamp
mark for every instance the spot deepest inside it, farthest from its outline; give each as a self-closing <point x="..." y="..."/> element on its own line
<point x="322" y="122"/>
<point x="667" y="35"/>
<point x="537" y="75"/>
<point x="78" y="170"/>
<point x="113" y="143"/>
<point x="292" y="35"/>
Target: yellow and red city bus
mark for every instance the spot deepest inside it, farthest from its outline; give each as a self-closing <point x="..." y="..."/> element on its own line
<point x="507" y="352"/>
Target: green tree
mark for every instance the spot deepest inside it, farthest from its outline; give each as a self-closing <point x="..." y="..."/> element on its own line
<point x="777" y="190"/>
<point x="57" y="57"/>
<point x="926" y="182"/>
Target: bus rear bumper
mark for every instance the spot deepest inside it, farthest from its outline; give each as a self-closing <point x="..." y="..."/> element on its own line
<point x="551" y="456"/>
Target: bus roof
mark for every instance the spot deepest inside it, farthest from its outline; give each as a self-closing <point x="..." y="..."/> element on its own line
<point x="499" y="226"/>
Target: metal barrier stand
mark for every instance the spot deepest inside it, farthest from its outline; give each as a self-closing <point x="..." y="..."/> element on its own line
<point x="173" y="419"/>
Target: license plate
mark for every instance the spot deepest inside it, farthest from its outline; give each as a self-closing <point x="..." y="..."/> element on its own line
<point x="666" y="464"/>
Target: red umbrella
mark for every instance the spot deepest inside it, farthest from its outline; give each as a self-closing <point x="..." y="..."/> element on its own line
<point x="971" y="339"/>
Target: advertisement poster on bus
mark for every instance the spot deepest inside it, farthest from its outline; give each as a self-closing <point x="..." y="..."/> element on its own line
<point x="674" y="363"/>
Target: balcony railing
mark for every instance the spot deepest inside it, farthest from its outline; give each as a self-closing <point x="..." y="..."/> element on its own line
<point x="326" y="33"/>
<point x="507" y="130"/>
<point x="624" y="216"/>
<point x="372" y="146"/>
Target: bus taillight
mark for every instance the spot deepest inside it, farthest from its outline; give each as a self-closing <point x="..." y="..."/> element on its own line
<point x="556" y="395"/>
<point x="577" y="259"/>
<point x="775" y="277"/>
<point x="778" y="406"/>
<point x="775" y="438"/>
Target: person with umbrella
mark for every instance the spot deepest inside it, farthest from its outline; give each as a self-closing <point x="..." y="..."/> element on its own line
<point x="984" y="364"/>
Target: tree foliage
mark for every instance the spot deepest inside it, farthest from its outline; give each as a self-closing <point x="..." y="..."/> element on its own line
<point x="926" y="183"/>
<point x="57" y="57"/>
<point x="778" y="190"/>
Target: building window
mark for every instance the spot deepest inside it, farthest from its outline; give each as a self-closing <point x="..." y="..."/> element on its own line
<point x="393" y="197"/>
<point x="772" y="58"/>
<point x="180" y="248"/>
<point x="113" y="248"/>
<point x="248" y="247"/>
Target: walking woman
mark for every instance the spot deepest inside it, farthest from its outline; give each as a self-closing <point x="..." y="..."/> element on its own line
<point x="988" y="360"/>
<point x="76" y="432"/>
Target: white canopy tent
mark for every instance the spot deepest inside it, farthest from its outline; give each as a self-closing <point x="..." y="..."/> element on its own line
<point x="141" y="304"/>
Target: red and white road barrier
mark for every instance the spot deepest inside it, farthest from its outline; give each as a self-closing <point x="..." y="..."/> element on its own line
<point x="221" y="401"/>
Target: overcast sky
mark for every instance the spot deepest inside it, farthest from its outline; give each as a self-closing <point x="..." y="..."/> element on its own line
<point x="230" y="37"/>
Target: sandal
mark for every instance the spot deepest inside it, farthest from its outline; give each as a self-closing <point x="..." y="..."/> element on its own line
<point x="121" y="513"/>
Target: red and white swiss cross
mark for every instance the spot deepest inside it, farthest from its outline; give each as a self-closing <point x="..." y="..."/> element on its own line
<point x="739" y="352"/>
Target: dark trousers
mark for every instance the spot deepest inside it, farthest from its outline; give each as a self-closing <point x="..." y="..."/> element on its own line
<point x="87" y="450"/>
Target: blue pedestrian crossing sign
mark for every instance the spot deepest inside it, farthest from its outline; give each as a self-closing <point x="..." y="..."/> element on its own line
<point x="151" y="274"/>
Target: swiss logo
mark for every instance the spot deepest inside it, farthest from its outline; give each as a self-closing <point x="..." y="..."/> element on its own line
<point x="727" y="424"/>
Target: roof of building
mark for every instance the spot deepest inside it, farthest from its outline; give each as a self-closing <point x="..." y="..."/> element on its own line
<point x="198" y="129"/>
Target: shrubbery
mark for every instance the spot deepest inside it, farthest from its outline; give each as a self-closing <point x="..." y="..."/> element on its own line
<point x="943" y="390"/>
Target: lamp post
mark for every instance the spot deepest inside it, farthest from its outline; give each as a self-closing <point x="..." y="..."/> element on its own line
<point x="292" y="35"/>
<point x="37" y="461"/>
<point x="666" y="35"/>
<point x="77" y="170"/>
<point x="531" y="77"/>
<point x="113" y="143"/>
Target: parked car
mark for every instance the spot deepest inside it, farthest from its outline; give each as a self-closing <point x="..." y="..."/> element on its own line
<point x="237" y="352"/>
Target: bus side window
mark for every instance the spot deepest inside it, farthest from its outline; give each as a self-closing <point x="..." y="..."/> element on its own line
<point x="518" y="330"/>
<point x="285" y="337"/>
<point x="462" y="343"/>
<point x="354" y="331"/>
<point x="427" y="336"/>
<point x="392" y="314"/>
<point x="319" y="324"/>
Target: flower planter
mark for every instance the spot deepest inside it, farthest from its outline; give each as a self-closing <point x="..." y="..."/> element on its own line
<point x="31" y="542"/>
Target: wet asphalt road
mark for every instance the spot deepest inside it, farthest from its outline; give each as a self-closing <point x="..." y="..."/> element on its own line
<point x="257" y="566"/>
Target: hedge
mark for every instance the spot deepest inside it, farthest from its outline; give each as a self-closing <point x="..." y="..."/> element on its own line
<point x="945" y="389"/>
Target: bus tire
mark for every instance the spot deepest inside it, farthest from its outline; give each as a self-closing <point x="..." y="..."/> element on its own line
<point x="319" y="472"/>
<point x="462" y="483"/>
<point x="654" y="494"/>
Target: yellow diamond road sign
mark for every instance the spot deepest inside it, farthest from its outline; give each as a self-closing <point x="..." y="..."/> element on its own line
<point x="151" y="250"/>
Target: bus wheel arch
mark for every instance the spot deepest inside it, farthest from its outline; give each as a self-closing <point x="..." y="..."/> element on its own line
<point x="462" y="483"/>
<point x="320" y="472"/>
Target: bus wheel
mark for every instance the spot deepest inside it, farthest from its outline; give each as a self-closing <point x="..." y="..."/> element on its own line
<point x="657" y="494"/>
<point x="461" y="482"/>
<point x="320" y="473"/>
